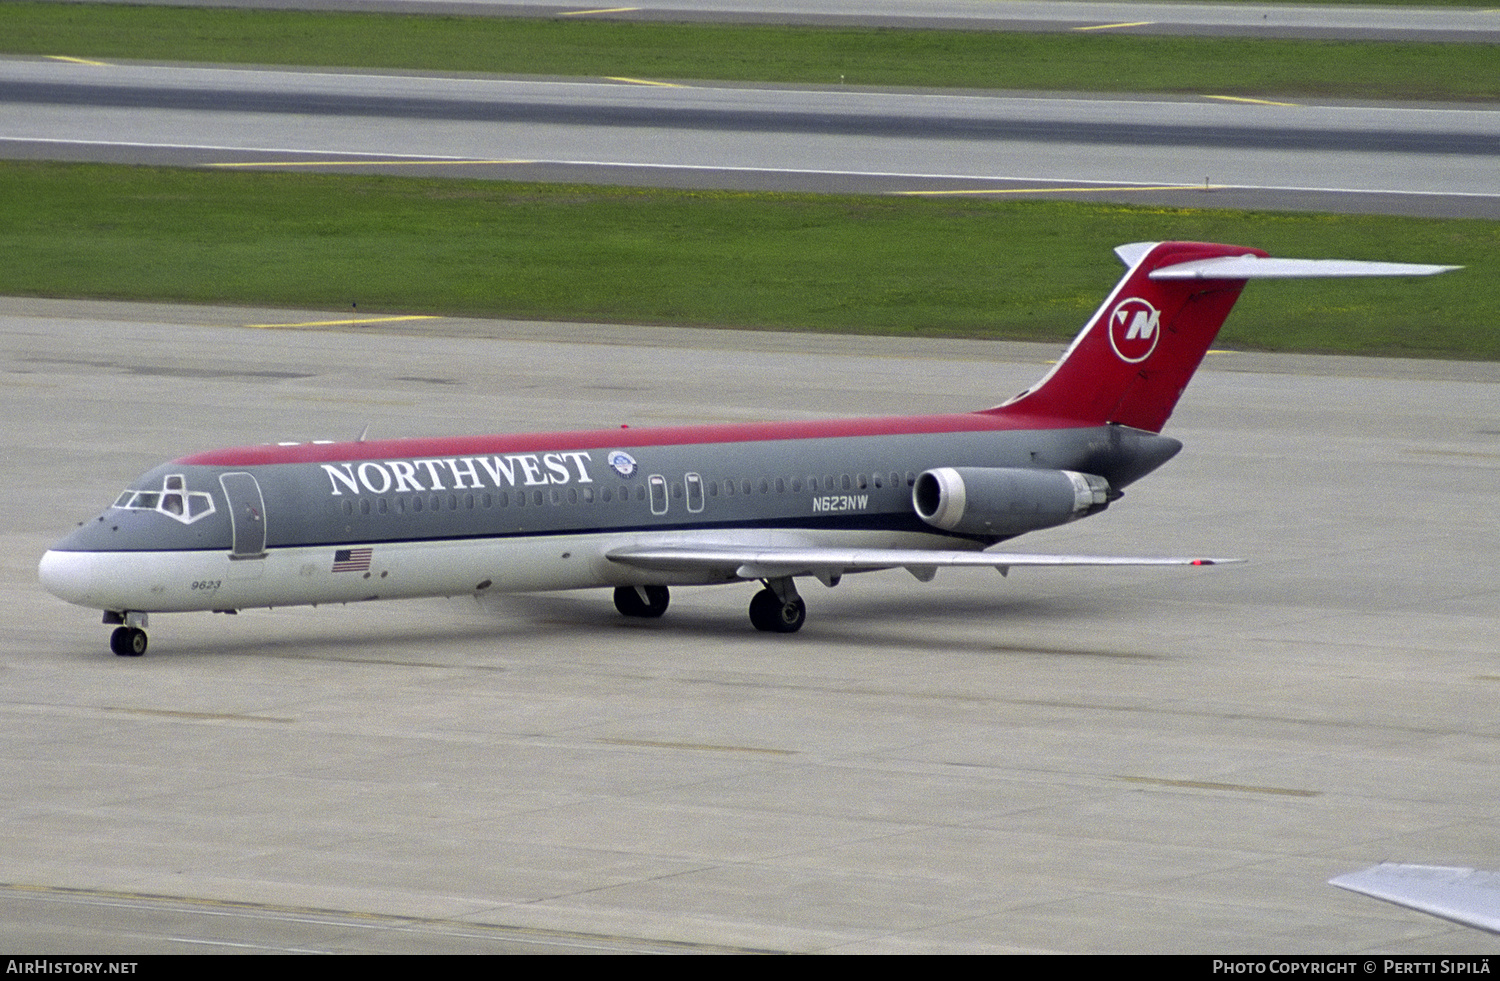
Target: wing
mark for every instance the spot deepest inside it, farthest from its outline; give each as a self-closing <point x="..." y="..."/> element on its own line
<point x="829" y="564"/>
<point x="1466" y="896"/>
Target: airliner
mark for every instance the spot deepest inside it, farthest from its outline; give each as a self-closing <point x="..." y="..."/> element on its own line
<point x="642" y="510"/>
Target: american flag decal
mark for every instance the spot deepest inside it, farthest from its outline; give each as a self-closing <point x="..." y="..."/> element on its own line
<point x="352" y="559"/>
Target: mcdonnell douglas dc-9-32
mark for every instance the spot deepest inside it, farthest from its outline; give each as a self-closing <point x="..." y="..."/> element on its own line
<point x="642" y="510"/>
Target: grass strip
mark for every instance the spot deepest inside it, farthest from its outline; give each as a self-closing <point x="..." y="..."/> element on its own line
<point x="899" y="266"/>
<point x="799" y="55"/>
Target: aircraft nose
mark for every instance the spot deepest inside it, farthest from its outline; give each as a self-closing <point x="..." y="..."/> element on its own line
<point x="67" y="575"/>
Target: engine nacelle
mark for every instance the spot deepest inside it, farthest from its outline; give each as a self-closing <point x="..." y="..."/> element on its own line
<point x="1005" y="501"/>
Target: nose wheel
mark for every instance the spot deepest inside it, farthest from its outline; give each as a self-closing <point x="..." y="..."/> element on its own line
<point x="128" y="641"/>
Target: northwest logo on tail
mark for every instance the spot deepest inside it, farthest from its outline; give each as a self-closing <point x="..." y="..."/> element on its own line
<point x="1133" y="330"/>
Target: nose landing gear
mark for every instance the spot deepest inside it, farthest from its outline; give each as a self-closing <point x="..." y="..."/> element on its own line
<point x="129" y="639"/>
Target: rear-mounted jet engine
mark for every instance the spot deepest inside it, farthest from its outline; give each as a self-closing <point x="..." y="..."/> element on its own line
<point x="1006" y="501"/>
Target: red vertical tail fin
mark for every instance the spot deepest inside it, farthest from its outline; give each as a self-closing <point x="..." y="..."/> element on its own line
<point x="1131" y="362"/>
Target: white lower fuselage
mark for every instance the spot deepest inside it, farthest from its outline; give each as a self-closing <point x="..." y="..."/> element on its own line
<point x="163" y="582"/>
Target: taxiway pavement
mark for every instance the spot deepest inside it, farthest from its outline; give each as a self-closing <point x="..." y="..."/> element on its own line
<point x="1075" y="760"/>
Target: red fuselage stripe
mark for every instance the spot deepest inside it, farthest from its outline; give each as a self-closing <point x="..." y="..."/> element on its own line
<point x="624" y="437"/>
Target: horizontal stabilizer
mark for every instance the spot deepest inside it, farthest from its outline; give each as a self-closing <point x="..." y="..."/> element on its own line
<point x="1466" y="896"/>
<point x="745" y="562"/>
<point x="1255" y="267"/>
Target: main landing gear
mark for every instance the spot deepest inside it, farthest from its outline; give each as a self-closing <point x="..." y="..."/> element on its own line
<point x="129" y="639"/>
<point x="777" y="609"/>
<point x="648" y="602"/>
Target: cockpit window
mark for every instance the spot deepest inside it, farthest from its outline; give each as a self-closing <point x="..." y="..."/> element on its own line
<point x="199" y="505"/>
<point x="174" y="500"/>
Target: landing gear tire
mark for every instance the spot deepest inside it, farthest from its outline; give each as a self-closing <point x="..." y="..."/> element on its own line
<point x="629" y="602"/>
<point x="769" y="613"/>
<point x="128" y="641"/>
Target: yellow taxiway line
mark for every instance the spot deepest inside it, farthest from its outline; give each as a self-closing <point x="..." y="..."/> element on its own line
<point x="1255" y="102"/>
<point x="1059" y="190"/>
<point x="1110" y="27"/>
<point x="643" y="81"/>
<point x="344" y="323"/>
<point x="364" y="163"/>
